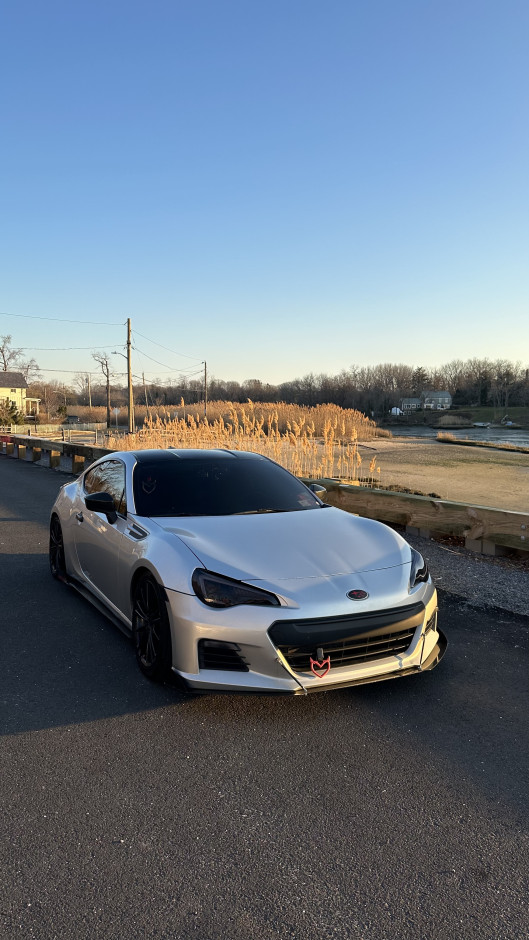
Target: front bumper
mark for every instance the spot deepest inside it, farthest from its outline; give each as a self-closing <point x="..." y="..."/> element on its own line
<point x="266" y="667"/>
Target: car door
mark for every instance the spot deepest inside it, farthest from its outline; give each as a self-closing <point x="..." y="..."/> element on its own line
<point x="98" y="541"/>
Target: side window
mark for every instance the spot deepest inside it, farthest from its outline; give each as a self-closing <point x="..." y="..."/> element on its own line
<point x="93" y="480"/>
<point x="108" y="477"/>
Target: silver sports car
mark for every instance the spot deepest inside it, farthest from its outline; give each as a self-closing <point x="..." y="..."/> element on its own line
<point x="232" y="575"/>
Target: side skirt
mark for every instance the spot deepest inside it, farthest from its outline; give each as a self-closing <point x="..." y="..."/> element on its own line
<point x="84" y="592"/>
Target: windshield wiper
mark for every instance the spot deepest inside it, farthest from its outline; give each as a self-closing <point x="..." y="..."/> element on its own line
<point x="254" y="512"/>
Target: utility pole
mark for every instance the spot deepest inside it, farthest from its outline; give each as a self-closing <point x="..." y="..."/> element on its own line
<point x="205" y="389"/>
<point x="89" y="390"/>
<point x="129" y="378"/>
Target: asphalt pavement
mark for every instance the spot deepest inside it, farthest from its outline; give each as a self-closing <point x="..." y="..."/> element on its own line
<point x="394" y="810"/>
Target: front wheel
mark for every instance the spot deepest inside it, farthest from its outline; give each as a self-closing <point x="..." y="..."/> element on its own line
<point x="150" y="629"/>
<point x="57" y="557"/>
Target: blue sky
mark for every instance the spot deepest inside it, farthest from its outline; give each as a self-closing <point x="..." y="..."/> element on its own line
<point x="274" y="187"/>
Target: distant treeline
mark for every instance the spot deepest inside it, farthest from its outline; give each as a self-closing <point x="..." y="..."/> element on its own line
<point x="370" y="389"/>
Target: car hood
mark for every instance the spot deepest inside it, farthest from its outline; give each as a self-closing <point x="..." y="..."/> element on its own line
<point x="283" y="546"/>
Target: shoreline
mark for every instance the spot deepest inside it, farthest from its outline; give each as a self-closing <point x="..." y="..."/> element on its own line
<point x="466" y="443"/>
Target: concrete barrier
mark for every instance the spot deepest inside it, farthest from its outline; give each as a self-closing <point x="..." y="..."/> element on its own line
<point x="73" y="458"/>
<point x="484" y="529"/>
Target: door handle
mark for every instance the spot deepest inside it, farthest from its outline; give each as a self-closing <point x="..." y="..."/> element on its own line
<point x="79" y="516"/>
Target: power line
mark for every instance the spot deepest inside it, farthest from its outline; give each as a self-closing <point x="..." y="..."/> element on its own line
<point x="164" y="364"/>
<point x="72" y="371"/>
<point x="149" y="340"/>
<point x="190" y="371"/>
<point x="26" y="316"/>
<point x="58" y="348"/>
<point x="33" y="381"/>
<point x="189" y="375"/>
<point x="142" y="353"/>
<point x="182" y="373"/>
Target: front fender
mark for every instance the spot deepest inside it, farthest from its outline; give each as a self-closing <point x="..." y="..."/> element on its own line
<point x="165" y="557"/>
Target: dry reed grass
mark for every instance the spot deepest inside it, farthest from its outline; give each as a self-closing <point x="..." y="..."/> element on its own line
<point x="310" y="442"/>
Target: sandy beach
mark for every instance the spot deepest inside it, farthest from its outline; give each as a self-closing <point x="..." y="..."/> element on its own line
<point x="479" y="475"/>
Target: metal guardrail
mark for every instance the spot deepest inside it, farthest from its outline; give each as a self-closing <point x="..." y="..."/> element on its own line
<point x="484" y="528"/>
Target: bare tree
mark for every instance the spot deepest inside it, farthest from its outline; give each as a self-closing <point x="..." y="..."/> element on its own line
<point x="453" y="374"/>
<point x="30" y="370"/>
<point x="51" y="395"/>
<point x="104" y="362"/>
<point x="82" y="384"/>
<point x="9" y="356"/>
<point x="505" y="376"/>
<point x="11" y="360"/>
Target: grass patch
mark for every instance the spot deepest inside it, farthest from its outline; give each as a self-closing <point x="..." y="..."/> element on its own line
<point x="396" y="488"/>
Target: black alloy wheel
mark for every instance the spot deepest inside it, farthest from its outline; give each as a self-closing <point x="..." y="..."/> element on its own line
<point x="57" y="557"/>
<point x="150" y="629"/>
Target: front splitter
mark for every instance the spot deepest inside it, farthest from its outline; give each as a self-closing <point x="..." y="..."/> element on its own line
<point x="434" y="658"/>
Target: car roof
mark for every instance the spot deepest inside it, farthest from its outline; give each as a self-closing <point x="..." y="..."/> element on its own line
<point x="160" y="456"/>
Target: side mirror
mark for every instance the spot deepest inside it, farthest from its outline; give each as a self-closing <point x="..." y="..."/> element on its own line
<point x="318" y="489"/>
<point x="102" y="502"/>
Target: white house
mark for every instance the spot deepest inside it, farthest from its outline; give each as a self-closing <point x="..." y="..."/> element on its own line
<point x="436" y="401"/>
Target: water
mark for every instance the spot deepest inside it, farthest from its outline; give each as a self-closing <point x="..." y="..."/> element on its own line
<point x="494" y="435"/>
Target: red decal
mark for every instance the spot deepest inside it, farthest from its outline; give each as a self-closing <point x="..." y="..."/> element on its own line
<point x="325" y="665"/>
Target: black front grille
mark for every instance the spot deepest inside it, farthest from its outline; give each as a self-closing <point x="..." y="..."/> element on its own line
<point x="350" y="652"/>
<point x="214" y="654"/>
<point x="348" y="641"/>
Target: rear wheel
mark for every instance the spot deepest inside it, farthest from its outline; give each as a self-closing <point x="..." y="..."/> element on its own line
<point x="150" y="629"/>
<point x="57" y="557"/>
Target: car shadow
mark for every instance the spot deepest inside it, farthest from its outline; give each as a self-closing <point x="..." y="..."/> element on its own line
<point x="471" y="711"/>
<point x="63" y="662"/>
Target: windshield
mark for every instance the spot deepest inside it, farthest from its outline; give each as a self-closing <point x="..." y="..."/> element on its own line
<point x="217" y="487"/>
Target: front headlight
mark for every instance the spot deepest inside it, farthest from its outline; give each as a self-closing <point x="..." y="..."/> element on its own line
<point x="419" y="569"/>
<point x="217" y="591"/>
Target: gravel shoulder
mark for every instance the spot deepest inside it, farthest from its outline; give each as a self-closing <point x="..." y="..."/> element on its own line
<point x="479" y="580"/>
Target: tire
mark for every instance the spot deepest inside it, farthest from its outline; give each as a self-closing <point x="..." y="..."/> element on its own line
<point x="56" y="552"/>
<point x="150" y="629"/>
